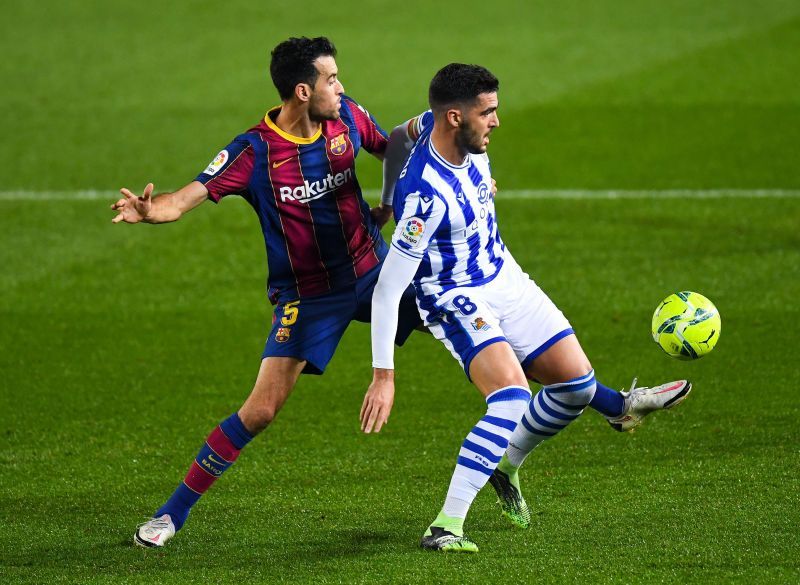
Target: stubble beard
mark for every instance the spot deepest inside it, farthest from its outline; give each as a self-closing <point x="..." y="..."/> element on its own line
<point x="319" y="116"/>
<point x="469" y="140"/>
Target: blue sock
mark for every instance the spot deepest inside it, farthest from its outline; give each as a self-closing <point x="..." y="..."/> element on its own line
<point x="220" y="450"/>
<point x="607" y="401"/>
<point x="178" y="505"/>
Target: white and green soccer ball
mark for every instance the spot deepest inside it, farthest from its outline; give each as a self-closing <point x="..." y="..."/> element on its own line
<point x="686" y="325"/>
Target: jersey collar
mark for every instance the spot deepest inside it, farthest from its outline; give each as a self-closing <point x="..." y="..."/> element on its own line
<point x="442" y="160"/>
<point x="290" y="137"/>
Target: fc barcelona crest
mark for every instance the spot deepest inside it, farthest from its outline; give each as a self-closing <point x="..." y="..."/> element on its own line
<point x="338" y="145"/>
<point x="282" y="335"/>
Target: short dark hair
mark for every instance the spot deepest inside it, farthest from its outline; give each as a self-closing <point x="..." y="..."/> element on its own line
<point x="458" y="83"/>
<point x="293" y="62"/>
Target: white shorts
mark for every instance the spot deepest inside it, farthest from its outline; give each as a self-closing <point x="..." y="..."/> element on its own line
<point x="510" y="308"/>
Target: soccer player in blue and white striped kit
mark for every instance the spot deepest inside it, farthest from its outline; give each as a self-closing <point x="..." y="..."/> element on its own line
<point x="474" y="297"/>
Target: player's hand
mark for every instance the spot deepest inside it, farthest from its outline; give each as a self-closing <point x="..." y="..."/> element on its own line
<point x="494" y="188"/>
<point x="377" y="404"/>
<point x="132" y="208"/>
<point x="381" y="214"/>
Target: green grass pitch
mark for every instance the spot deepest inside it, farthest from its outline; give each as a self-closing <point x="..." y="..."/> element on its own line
<point x="122" y="346"/>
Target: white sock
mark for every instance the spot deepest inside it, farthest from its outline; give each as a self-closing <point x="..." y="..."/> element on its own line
<point x="484" y="446"/>
<point x="551" y="410"/>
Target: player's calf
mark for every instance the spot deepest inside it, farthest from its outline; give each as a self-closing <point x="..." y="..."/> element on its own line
<point x="221" y="449"/>
<point x="479" y="455"/>
<point x="549" y="412"/>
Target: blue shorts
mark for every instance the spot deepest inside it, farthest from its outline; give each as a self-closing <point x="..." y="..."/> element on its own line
<point x="310" y="329"/>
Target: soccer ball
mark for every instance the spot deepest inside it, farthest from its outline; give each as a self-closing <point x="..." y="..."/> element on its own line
<point x="686" y="325"/>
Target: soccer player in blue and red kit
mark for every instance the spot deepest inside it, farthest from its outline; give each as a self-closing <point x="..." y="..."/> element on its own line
<point x="296" y="168"/>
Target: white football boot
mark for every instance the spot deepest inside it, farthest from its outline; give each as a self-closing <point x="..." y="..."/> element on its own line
<point x="639" y="402"/>
<point x="155" y="532"/>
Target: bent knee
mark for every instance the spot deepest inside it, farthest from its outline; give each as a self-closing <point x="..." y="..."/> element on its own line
<point x="578" y="391"/>
<point x="257" y="418"/>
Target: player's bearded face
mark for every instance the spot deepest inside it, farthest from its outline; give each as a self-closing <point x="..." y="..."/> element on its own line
<point x="470" y="138"/>
<point x="477" y="123"/>
<point x="325" y="101"/>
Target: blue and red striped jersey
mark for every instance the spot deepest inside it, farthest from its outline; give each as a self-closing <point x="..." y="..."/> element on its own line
<point x="317" y="227"/>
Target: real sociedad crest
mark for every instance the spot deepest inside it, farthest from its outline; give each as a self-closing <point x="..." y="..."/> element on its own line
<point x="483" y="193"/>
<point x="338" y="145"/>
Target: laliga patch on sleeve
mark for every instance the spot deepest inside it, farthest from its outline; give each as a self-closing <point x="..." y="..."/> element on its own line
<point x="412" y="230"/>
<point x="216" y="164"/>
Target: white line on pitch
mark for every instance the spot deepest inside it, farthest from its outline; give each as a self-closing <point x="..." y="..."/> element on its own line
<point x="110" y="196"/>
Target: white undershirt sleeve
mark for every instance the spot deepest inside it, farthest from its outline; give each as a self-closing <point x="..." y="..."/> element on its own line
<point x="422" y="215"/>
<point x="397" y="272"/>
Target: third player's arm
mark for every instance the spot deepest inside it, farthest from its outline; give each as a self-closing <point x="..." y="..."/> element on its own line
<point x="394" y="157"/>
<point x="401" y="141"/>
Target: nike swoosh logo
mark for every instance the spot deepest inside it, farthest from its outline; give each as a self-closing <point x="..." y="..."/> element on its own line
<point x="675" y="385"/>
<point x="211" y="458"/>
<point x="279" y="163"/>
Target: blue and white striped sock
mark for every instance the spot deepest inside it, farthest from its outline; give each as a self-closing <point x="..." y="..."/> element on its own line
<point x="484" y="446"/>
<point x="552" y="409"/>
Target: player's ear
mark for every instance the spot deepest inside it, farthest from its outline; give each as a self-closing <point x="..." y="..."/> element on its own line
<point x="454" y="118"/>
<point x="302" y="91"/>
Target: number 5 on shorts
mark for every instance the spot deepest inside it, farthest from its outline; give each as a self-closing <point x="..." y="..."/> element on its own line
<point x="290" y="312"/>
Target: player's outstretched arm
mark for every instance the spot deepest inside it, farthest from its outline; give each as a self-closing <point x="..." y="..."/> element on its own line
<point x="397" y="272"/>
<point x="163" y="208"/>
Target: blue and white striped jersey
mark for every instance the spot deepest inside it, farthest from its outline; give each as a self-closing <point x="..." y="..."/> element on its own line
<point x="445" y="216"/>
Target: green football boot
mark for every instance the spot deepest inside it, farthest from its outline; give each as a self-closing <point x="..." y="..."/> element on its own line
<point x="505" y="481"/>
<point x="446" y="535"/>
